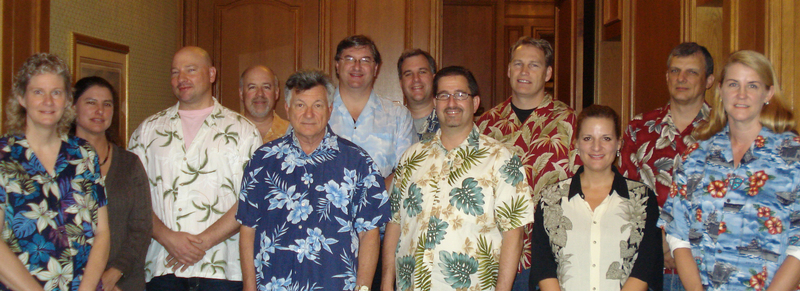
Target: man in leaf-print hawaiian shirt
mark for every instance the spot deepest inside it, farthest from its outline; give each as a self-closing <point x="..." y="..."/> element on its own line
<point x="311" y="202"/>
<point x="194" y="154"/>
<point x="655" y="140"/>
<point x="537" y="127"/>
<point x="459" y="202"/>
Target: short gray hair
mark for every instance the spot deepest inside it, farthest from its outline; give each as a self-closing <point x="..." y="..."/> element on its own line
<point x="306" y="79"/>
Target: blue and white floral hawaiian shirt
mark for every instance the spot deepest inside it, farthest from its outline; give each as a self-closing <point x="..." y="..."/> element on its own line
<point x="429" y="128"/>
<point x="740" y="221"/>
<point x="384" y="129"/>
<point x="50" y="220"/>
<point x="307" y="211"/>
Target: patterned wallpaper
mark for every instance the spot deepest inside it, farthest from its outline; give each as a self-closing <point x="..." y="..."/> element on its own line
<point x="148" y="27"/>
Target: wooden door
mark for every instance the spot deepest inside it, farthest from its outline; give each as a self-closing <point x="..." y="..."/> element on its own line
<point x="282" y="35"/>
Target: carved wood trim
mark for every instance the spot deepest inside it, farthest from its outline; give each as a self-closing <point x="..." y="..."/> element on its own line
<point x="26" y="30"/>
<point x="628" y="54"/>
<point x="324" y="60"/>
<point x="435" y="42"/>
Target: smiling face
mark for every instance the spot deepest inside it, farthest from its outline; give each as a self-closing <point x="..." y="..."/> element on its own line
<point x="528" y="72"/>
<point x="259" y="92"/>
<point x="686" y="78"/>
<point x="44" y="100"/>
<point x="192" y="76"/>
<point x="308" y="112"/>
<point x="743" y="94"/>
<point x="95" y="109"/>
<point x="417" y="79"/>
<point x="597" y="144"/>
<point x="455" y="114"/>
<point x="357" y="68"/>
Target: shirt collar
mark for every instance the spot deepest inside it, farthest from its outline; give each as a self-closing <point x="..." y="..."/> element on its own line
<point x="210" y="119"/>
<point x="619" y="185"/>
<point x="373" y="102"/>
<point x="701" y="115"/>
<point x="328" y="143"/>
<point x="472" y="140"/>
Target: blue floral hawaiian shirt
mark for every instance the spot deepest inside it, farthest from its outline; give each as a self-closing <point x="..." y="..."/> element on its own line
<point x="740" y="221"/>
<point x="50" y="220"/>
<point x="384" y="129"/>
<point x="429" y="128"/>
<point x="307" y="211"/>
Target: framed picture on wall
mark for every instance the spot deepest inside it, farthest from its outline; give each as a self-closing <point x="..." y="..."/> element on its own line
<point x="108" y="60"/>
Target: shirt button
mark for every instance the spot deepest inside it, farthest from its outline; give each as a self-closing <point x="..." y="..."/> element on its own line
<point x="728" y="200"/>
<point x="180" y="209"/>
<point x="719" y="251"/>
<point x="594" y="265"/>
<point x="300" y="226"/>
<point x="184" y="158"/>
<point x="594" y="242"/>
<point x="595" y="222"/>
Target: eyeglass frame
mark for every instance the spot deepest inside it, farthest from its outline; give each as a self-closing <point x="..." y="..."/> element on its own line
<point x="454" y="96"/>
<point x="353" y="60"/>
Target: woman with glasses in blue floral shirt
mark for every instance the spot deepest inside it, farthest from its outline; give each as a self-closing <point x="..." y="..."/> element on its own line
<point x="733" y="216"/>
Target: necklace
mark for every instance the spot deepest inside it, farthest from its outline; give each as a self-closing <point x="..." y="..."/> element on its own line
<point x="108" y="153"/>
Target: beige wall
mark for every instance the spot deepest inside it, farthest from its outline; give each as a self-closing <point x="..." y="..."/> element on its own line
<point x="148" y="27"/>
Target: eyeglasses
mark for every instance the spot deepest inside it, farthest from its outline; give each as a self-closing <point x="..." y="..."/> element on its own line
<point x="353" y="60"/>
<point x="458" y="96"/>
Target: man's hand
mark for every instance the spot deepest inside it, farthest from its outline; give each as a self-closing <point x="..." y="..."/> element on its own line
<point x="183" y="249"/>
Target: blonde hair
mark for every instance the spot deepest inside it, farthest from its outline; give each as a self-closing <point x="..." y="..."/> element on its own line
<point x="35" y="65"/>
<point x="774" y="115"/>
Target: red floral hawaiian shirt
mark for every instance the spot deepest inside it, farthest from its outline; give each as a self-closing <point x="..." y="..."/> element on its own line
<point x="651" y="145"/>
<point x="543" y="141"/>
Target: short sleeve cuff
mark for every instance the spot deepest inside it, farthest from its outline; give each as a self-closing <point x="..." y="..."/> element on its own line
<point x="793" y="251"/>
<point x="676" y="243"/>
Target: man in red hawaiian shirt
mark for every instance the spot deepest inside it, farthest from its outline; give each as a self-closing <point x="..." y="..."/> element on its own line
<point x="655" y="139"/>
<point x="535" y="126"/>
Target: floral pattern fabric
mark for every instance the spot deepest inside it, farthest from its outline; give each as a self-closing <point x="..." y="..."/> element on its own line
<point x="597" y="249"/>
<point x="740" y="221"/>
<point x="543" y="142"/>
<point x="430" y="127"/>
<point x="191" y="188"/>
<point x="384" y="129"/>
<point x="276" y="130"/>
<point x="307" y="212"/>
<point x="452" y="208"/>
<point x="50" y="220"/>
<point x="651" y="144"/>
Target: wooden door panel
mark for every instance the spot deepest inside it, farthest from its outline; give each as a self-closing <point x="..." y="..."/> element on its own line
<point x="279" y="34"/>
<point x="468" y="40"/>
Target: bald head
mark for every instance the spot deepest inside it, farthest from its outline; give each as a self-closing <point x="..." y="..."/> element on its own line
<point x="259" y="91"/>
<point x="259" y="69"/>
<point x="197" y="52"/>
<point x="192" y="76"/>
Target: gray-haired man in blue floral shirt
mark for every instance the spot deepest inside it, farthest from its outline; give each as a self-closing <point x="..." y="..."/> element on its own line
<point x="310" y="197"/>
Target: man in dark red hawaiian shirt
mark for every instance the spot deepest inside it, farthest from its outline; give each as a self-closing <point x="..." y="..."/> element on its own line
<point x="535" y="126"/>
<point x="655" y="139"/>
